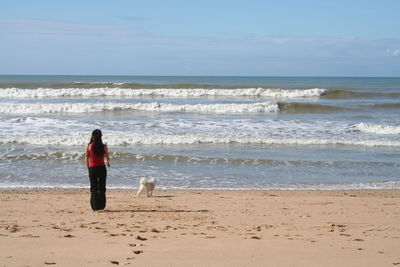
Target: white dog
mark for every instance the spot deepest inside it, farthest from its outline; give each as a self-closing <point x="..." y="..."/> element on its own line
<point x="148" y="185"/>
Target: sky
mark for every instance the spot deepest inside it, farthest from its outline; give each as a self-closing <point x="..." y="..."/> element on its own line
<point x="219" y="37"/>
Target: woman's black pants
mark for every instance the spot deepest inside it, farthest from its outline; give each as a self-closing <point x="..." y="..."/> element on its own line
<point x="98" y="177"/>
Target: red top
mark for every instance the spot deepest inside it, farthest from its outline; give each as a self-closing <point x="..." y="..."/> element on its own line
<point x="95" y="161"/>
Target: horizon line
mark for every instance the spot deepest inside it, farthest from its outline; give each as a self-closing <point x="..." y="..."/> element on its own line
<point x="244" y="76"/>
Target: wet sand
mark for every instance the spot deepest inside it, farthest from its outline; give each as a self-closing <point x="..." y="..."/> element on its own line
<point x="201" y="228"/>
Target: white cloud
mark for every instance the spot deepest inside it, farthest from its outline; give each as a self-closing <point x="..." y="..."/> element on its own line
<point x="53" y="30"/>
<point x="392" y="52"/>
<point x="396" y="52"/>
<point x="127" y="39"/>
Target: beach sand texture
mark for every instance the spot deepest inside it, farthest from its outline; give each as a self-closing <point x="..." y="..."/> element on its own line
<point x="201" y="228"/>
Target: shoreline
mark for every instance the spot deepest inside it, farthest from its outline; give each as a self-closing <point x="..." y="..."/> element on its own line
<point x="49" y="189"/>
<point x="183" y="227"/>
<point x="190" y="189"/>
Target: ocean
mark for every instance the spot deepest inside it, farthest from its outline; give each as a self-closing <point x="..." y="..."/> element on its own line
<point x="202" y="132"/>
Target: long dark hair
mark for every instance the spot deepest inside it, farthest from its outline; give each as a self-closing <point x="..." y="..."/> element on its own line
<point x="98" y="146"/>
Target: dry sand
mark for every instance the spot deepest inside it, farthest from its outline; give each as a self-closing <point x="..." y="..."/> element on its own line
<point x="201" y="228"/>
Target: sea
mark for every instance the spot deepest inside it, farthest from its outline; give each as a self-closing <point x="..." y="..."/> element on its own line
<point x="202" y="132"/>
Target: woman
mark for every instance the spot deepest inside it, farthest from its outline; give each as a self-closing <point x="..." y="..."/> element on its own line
<point x="96" y="151"/>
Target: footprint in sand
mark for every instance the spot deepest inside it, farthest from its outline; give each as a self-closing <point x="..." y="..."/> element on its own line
<point x="68" y="236"/>
<point x="345" y="234"/>
<point x="113" y="234"/>
<point x="135" y="245"/>
<point x="13" y="228"/>
<point x="141" y="238"/>
<point x="30" y="236"/>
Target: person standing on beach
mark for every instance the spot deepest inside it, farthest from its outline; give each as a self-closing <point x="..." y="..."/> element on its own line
<point x="96" y="157"/>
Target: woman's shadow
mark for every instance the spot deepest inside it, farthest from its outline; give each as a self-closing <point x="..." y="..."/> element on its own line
<point x="155" y="210"/>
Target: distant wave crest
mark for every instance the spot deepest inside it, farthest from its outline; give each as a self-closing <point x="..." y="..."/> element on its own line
<point x="346" y="94"/>
<point x="296" y="107"/>
<point x="385" y="105"/>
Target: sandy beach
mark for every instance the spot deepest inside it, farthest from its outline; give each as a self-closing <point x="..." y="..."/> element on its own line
<point x="201" y="228"/>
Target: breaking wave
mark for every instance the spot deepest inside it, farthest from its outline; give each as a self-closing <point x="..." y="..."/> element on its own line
<point x="259" y="107"/>
<point x="164" y="92"/>
<point x="188" y="139"/>
<point x="117" y="156"/>
<point x="265" y="107"/>
<point x="377" y="129"/>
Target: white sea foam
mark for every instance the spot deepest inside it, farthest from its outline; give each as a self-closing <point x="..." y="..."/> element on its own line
<point x="174" y="139"/>
<point x="53" y="131"/>
<point x="264" y="107"/>
<point x="377" y="129"/>
<point x="169" y="92"/>
<point x="6" y="185"/>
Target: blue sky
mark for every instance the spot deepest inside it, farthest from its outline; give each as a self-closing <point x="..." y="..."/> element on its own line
<point x="255" y="38"/>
